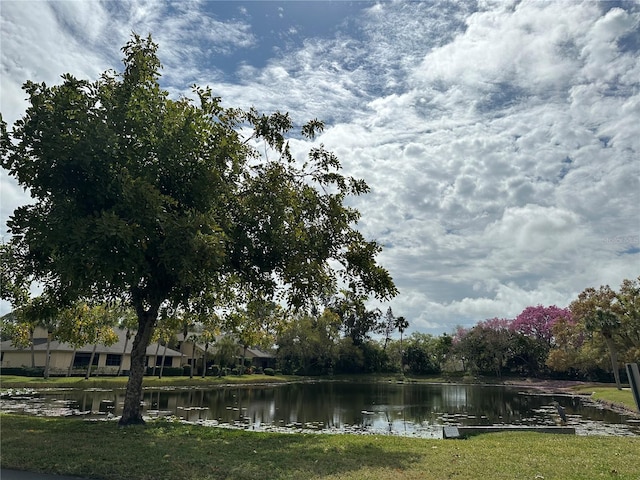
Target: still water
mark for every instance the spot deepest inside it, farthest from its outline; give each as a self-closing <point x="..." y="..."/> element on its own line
<point x="335" y="407"/>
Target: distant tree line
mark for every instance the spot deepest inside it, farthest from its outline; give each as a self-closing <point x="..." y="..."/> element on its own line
<point x="591" y="339"/>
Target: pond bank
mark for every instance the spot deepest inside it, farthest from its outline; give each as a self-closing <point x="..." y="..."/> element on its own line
<point x="609" y="396"/>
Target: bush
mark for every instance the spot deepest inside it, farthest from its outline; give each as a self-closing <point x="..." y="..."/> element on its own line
<point x="269" y="371"/>
<point x="169" y="371"/>
<point x="23" y="371"/>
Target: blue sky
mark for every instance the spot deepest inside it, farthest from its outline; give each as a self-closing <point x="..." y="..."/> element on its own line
<point x="500" y="139"/>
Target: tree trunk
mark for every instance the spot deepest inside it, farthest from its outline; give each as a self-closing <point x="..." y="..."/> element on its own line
<point x="204" y="360"/>
<point x="155" y="360"/>
<point x="244" y="358"/>
<point x="124" y="351"/>
<point x="93" y="354"/>
<point x="401" y="356"/>
<point x="132" y="411"/>
<point x="73" y="359"/>
<point x="614" y="360"/>
<point x="46" y="360"/>
<point x="33" y="351"/>
<point x="164" y="355"/>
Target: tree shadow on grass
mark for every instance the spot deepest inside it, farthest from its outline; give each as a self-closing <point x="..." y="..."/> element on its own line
<point x="308" y="457"/>
<point x="164" y="450"/>
<point x="217" y="453"/>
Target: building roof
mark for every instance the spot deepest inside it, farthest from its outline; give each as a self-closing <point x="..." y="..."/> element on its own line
<point x="251" y="351"/>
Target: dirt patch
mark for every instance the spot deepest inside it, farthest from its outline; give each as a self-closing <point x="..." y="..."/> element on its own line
<point x="551" y="386"/>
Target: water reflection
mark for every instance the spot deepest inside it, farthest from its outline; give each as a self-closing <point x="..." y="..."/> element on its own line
<point x="403" y="409"/>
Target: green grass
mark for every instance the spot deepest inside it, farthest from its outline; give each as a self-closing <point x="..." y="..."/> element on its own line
<point x="622" y="397"/>
<point x="164" y="450"/>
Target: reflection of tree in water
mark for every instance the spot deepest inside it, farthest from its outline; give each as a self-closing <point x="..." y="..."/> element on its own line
<point x="399" y="408"/>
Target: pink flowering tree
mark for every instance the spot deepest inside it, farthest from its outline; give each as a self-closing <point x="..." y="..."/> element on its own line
<point x="537" y="322"/>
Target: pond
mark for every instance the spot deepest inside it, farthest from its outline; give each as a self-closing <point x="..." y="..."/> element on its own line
<point x="409" y="409"/>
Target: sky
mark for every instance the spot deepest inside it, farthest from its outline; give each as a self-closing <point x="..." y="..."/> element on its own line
<point x="500" y="139"/>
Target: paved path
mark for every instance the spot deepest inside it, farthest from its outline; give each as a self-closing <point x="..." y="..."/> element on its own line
<point x="20" y="475"/>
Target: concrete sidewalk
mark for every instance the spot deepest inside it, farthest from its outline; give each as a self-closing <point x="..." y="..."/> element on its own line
<point x="21" y="475"/>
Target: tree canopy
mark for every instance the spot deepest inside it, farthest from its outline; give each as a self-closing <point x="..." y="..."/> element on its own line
<point x="152" y="201"/>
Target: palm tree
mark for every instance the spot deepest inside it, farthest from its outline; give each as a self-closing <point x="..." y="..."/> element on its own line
<point x="401" y="325"/>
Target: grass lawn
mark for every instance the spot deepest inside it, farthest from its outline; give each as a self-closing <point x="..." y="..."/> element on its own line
<point x="165" y="450"/>
<point x="622" y="397"/>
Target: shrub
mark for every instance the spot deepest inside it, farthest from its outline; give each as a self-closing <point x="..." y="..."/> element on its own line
<point x="269" y="371"/>
<point x="169" y="371"/>
<point x="23" y="371"/>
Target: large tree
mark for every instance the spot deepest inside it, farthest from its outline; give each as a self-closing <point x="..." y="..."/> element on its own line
<point x="358" y="321"/>
<point x="595" y="308"/>
<point x="155" y="201"/>
<point x="537" y="322"/>
<point x="534" y="326"/>
<point x="308" y="343"/>
<point x="486" y="347"/>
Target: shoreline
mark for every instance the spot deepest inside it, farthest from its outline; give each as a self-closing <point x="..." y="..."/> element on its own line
<point x="569" y="387"/>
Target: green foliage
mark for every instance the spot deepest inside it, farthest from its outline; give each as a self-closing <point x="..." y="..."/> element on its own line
<point x="528" y="355"/>
<point x="486" y="347"/>
<point x="256" y="324"/>
<point x="269" y="371"/>
<point x="421" y="354"/>
<point x="358" y="322"/>
<point x="375" y="358"/>
<point x="350" y="358"/>
<point x="226" y="350"/>
<point x="308" y="344"/>
<point x="83" y="324"/>
<point x="615" y="318"/>
<point x="23" y="371"/>
<point x="13" y="288"/>
<point x="167" y="371"/>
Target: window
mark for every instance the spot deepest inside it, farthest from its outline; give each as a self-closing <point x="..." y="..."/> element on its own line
<point x="82" y="359"/>
<point x="167" y="361"/>
<point x="113" y="359"/>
